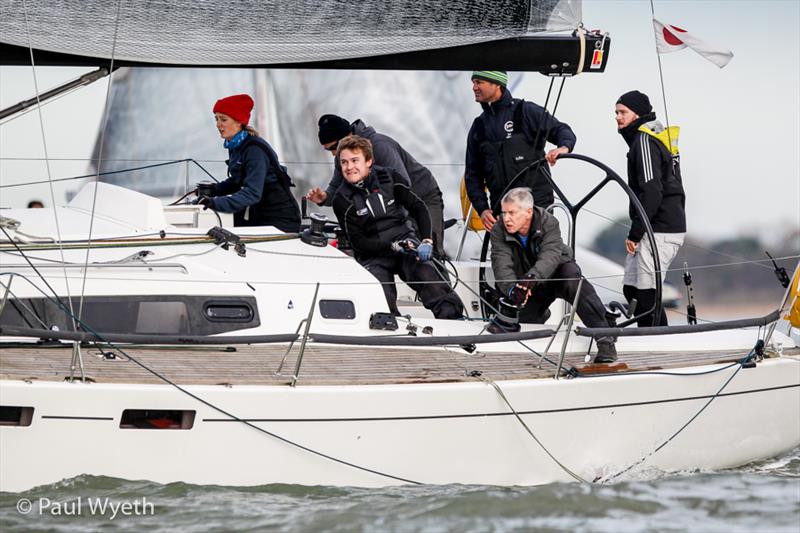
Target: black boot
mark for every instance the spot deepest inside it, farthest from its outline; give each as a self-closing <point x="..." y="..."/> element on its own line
<point x="606" y="351"/>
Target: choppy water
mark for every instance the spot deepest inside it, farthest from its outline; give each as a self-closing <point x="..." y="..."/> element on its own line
<point x="763" y="496"/>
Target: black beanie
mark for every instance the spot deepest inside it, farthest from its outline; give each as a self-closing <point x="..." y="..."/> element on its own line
<point x="637" y="102"/>
<point x="332" y="128"/>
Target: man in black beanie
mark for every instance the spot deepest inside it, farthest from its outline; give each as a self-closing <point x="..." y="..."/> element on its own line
<point x="387" y="153"/>
<point x="654" y="175"/>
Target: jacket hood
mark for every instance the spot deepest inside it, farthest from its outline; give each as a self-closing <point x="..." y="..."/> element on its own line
<point x="504" y="101"/>
<point x="361" y="129"/>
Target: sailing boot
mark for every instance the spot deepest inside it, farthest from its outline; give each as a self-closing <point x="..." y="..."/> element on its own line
<point x="606" y="351"/>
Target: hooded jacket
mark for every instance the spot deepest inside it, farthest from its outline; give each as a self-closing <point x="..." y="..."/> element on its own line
<point x="493" y="126"/>
<point x="387" y="153"/>
<point x="543" y="254"/>
<point x="654" y="175"/>
<point x="372" y="230"/>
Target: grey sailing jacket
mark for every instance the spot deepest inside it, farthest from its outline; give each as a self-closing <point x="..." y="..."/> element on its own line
<point x="544" y="253"/>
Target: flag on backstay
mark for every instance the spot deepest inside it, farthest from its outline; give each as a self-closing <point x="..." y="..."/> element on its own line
<point x="672" y="38"/>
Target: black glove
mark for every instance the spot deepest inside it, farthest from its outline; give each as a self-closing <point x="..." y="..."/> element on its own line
<point x="206" y="202"/>
<point x="528" y="281"/>
<point x="518" y="295"/>
<point x="404" y="246"/>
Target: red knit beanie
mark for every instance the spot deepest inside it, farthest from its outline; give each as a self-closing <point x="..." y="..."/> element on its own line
<point x="237" y="107"/>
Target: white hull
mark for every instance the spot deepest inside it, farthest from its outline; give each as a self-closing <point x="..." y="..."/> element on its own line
<point x="428" y="433"/>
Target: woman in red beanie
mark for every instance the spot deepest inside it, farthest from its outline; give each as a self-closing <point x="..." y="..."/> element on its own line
<point x="258" y="189"/>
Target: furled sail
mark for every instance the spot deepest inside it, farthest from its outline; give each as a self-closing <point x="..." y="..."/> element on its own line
<point x="402" y="33"/>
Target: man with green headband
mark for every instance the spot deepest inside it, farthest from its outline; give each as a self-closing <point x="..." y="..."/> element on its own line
<point x="502" y="143"/>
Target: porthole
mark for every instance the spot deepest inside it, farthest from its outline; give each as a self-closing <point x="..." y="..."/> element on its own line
<point x="12" y="415"/>
<point x="156" y="419"/>
<point x="228" y="311"/>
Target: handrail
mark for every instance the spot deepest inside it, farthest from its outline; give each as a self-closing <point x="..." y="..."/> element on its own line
<point x="432" y="341"/>
<point x="672" y="330"/>
<point x="14" y="331"/>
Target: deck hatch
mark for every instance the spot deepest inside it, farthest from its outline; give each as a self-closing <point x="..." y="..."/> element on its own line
<point x="337" y="309"/>
<point x="13" y="415"/>
<point x="157" y="419"/>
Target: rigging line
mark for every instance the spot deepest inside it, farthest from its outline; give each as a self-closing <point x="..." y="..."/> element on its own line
<point x="96" y="174"/>
<point x="41" y="276"/>
<point x="741" y="363"/>
<point x="661" y="77"/>
<point x="486" y="303"/>
<point x="100" y="154"/>
<point x="207" y="403"/>
<point x="46" y="155"/>
<point x="17" y="302"/>
<point x="288" y="282"/>
<point x="689" y="244"/>
<point x="497" y="388"/>
<point x="141" y="160"/>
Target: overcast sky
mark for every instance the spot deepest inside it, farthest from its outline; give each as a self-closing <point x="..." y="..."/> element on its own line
<point x="740" y="126"/>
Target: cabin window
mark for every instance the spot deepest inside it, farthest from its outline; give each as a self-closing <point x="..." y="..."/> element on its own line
<point x="228" y="311"/>
<point x="12" y="415"/>
<point x="156" y="419"/>
<point x="139" y="314"/>
<point x="337" y="309"/>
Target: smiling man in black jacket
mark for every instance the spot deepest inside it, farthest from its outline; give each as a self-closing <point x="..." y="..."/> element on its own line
<point x="654" y="175"/>
<point x="387" y="153"/>
<point x="373" y="206"/>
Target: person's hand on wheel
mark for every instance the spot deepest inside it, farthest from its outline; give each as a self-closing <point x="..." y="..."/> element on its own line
<point x="488" y="219"/>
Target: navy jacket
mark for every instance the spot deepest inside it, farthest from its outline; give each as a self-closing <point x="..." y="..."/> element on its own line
<point x="492" y="125"/>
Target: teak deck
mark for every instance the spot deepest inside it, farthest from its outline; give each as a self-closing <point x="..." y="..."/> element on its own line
<point x="322" y="364"/>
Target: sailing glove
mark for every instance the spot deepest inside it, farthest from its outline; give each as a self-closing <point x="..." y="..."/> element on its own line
<point x="206" y="202"/>
<point x="402" y="246"/>
<point x="425" y="251"/>
<point x="518" y="295"/>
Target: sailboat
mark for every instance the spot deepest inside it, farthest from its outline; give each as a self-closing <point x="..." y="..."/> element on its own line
<point x="170" y="345"/>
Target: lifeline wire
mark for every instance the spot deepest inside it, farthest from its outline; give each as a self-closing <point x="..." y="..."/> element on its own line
<point x="113" y="346"/>
<point x="112" y="172"/>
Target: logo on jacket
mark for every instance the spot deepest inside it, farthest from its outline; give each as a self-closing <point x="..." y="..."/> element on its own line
<point x="509" y="127"/>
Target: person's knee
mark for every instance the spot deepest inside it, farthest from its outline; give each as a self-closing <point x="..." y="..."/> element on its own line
<point x="568" y="270"/>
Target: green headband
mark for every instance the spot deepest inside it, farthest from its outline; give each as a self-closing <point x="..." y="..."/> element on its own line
<point x="499" y="77"/>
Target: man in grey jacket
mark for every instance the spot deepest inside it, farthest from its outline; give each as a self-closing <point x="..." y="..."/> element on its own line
<point x="389" y="154"/>
<point x="532" y="267"/>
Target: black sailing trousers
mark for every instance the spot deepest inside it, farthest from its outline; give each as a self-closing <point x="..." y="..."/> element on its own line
<point x="590" y="308"/>
<point x="436" y="295"/>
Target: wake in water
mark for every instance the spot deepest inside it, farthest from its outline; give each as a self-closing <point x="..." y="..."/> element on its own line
<point x="762" y="496"/>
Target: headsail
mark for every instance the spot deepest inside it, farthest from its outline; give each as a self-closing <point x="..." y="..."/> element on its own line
<point x="405" y="34"/>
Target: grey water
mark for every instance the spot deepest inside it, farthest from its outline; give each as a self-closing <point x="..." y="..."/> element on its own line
<point x="763" y="496"/>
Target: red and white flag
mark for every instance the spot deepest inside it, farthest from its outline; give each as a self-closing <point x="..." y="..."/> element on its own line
<point x="672" y="38"/>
